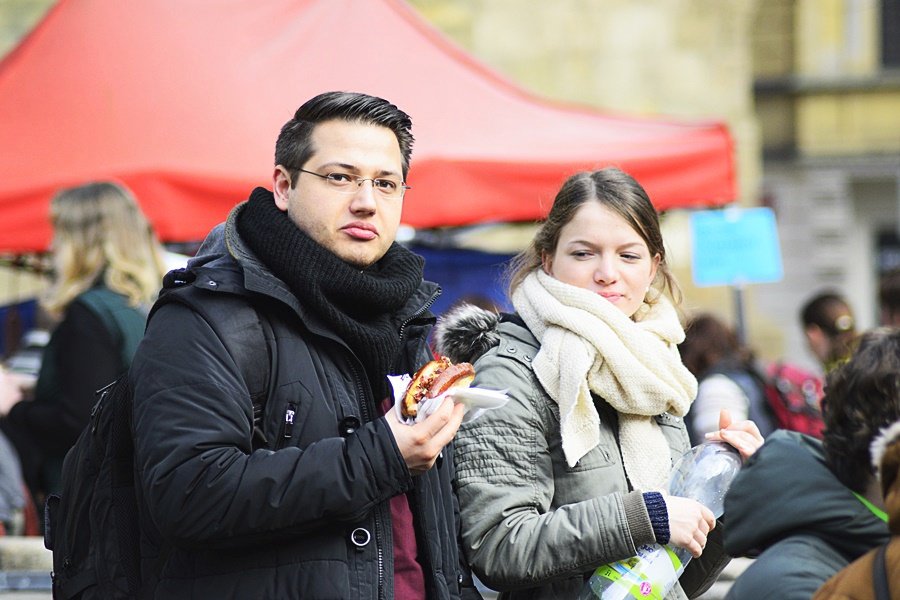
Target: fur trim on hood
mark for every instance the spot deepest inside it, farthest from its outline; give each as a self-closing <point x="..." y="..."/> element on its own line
<point x="466" y="332"/>
<point x="889" y="435"/>
<point x="885" y="451"/>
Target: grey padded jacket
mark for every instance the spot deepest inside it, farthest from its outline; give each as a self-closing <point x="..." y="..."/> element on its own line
<point x="532" y="526"/>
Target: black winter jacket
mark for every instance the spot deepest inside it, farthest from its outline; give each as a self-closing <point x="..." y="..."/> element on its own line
<point x="308" y="518"/>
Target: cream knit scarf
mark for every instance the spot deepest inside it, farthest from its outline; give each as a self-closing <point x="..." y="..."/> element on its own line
<point x="589" y="345"/>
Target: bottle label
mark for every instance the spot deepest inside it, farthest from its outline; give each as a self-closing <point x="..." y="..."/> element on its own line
<point x="647" y="576"/>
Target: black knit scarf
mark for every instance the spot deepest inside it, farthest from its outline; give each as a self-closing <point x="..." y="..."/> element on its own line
<point x="360" y="305"/>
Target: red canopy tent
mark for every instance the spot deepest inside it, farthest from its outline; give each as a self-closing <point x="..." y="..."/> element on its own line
<point x="182" y="101"/>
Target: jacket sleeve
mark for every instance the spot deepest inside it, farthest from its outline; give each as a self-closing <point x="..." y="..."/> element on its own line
<point x="201" y="482"/>
<point x="514" y="536"/>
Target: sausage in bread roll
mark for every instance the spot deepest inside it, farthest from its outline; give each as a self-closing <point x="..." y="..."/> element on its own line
<point x="433" y="379"/>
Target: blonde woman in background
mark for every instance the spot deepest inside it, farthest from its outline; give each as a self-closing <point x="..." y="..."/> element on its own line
<point x="108" y="267"/>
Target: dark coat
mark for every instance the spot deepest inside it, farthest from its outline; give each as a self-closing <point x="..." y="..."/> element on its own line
<point x="787" y="504"/>
<point x="308" y="518"/>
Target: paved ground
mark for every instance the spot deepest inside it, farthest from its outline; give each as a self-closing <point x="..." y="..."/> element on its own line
<point x="25" y="585"/>
<point x="717" y="592"/>
<point x="24" y="568"/>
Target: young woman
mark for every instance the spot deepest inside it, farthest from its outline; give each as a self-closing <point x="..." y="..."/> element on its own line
<point x="568" y="475"/>
<point x="108" y="268"/>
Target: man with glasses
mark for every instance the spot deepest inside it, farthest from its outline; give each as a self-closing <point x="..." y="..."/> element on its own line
<point x="327" y="495"/>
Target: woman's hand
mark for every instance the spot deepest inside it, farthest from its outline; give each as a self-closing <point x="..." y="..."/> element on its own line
<point x="689" y="524"/>
<point x="743" y="435"/>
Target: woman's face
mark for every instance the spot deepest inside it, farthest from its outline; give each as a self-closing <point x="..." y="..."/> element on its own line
<point x="599" y="251"/>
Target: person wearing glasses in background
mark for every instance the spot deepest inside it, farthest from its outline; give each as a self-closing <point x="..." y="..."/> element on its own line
<point x="342" y="501"/>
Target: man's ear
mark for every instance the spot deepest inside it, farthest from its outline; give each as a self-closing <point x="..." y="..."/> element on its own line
<point x="281" y="187"/>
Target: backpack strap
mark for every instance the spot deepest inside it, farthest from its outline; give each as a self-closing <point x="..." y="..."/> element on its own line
<point x="879" y="575"/>
<point x="245" y="333"/>
<point x="125" y="323"/>
<point x="242" y="329"/>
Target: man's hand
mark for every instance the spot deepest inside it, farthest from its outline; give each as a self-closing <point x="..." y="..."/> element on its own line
<point x="420" y="444"/>
<point x="689" y="524"/>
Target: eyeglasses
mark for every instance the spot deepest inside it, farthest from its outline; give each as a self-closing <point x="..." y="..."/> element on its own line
<point x="343" y="183"/>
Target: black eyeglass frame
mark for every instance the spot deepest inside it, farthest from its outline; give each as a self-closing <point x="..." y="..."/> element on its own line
<point x="359" y="180"/>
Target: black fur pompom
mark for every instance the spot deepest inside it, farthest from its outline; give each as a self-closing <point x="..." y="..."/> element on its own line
<point x="466" y="332"/>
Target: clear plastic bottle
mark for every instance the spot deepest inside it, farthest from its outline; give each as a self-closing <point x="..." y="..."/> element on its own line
<point x="703" y="474"/>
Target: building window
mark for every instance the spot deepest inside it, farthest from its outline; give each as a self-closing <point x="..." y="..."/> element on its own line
<point x="890" y="33"/>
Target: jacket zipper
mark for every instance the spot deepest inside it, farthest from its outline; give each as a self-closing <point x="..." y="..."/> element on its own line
<point x="287" y="428"/>
<point x="367" y="417"/>
<point x="415" y="493"/>
<point x="380" y="558"/>
<point x="419" y="312"/>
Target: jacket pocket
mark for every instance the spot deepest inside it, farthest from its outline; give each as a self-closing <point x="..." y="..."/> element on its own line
<point x="597" y="458"/>
<point x="676" y="433"/>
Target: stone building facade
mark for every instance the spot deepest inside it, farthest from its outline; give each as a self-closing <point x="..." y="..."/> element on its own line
<point x="827" y="92"/>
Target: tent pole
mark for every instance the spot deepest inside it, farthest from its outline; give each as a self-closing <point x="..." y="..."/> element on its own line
<point x="740" y="328"/>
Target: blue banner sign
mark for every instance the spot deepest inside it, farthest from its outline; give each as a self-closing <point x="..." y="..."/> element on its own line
<point x="734" y="246"/>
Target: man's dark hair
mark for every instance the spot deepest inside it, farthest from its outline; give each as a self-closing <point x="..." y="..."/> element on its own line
<point x="294" y="147"/>
<point x="862" y="396"/>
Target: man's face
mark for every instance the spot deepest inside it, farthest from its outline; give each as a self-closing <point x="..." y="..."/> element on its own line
<point x="358" y="226"/>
